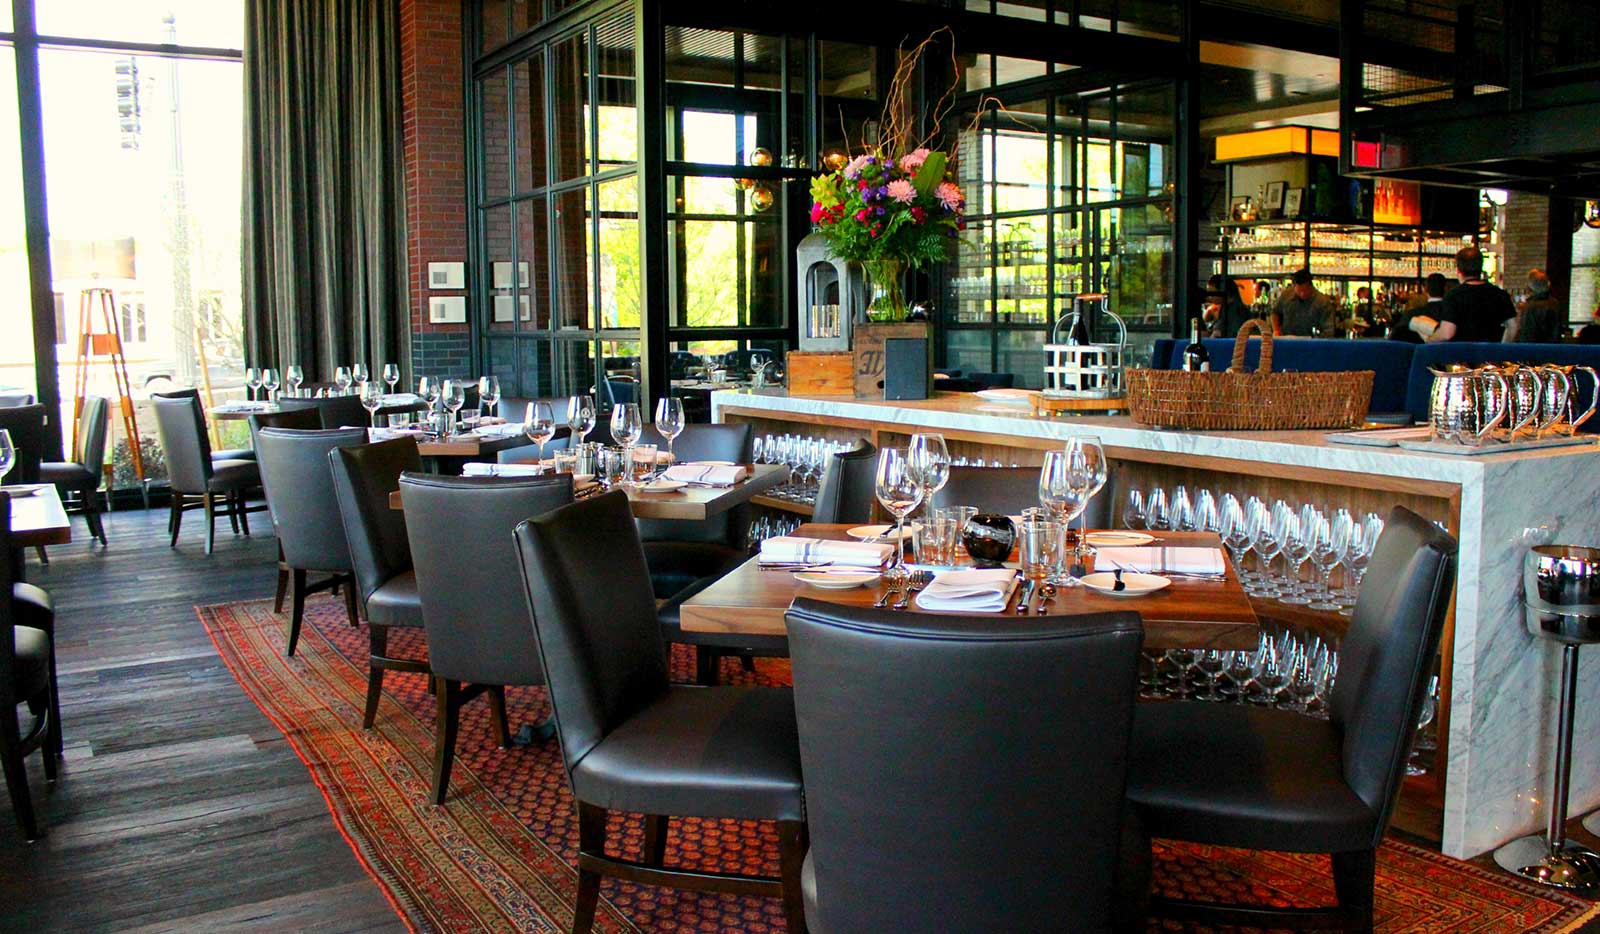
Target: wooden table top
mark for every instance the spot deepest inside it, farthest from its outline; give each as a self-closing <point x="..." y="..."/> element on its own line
<point x="238" y="415"/>
<point x="691" y="503"/>
<point x="1188" y="614"/>
<point x="39" y="519"/>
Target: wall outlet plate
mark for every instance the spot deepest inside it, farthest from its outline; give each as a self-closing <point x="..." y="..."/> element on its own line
<point x="448" y="309"/>
<point x="447" y="275"/>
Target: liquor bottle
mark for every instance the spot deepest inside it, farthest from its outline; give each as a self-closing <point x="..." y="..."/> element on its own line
<point x="1196" y="359"/>
<point x="1078" y="336"/>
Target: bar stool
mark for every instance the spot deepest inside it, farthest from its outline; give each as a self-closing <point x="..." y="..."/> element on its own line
<point x="1561" y="601"/>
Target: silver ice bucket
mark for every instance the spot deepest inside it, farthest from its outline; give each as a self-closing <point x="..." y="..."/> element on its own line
<point x="1561" y="593"/>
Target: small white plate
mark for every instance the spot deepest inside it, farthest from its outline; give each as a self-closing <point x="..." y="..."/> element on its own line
<point x="1137" y="584"/>
<point x="709" y="464"/>
<point x="835" y="580"/>
<point x="1005" y="396"/>
<point x="661" y="486"/>
<point x="20" y="490"/>
<point x="886" y="533"/>
<point x="1118" y="539"/>
<point x="579" y="479"/>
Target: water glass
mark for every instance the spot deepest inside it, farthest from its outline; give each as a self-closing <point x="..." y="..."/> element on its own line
<point x="641" y="463"/>
<point x="8" y="454"/>
<point x="939" y="536"/>
<point x="1040" y="545"/>
<point x="610" y="466"/>
<point x="566" y="460"/>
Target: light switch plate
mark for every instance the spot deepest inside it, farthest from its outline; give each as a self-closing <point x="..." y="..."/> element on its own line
<point x="450" y="309"/>
<point x="447" y="275"/>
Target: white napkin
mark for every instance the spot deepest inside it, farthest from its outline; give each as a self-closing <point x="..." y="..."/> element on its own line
<point x="385" y="434"/>
<point x="1156" y="560"/>
<point x="976" y="590"/>
<point x="501" y="430"/>
<point x="707" y="474"/>
<point x="401" y="398"/>
<point x="479" y="469"/>
<point x="790" y="548"/>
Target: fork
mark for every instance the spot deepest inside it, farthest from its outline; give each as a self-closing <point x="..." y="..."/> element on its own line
<point x="919" y="580"/>
<point x="883" y="601"/>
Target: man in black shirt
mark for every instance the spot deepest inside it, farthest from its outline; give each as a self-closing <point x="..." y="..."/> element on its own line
<point x="1474" y="310"/>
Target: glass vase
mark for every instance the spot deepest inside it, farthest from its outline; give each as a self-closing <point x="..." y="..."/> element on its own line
<point x="886" y="293"/>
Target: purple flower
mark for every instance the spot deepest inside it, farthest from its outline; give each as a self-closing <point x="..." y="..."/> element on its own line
<point x="878" y="211"/>
<point x="888" y="163"/>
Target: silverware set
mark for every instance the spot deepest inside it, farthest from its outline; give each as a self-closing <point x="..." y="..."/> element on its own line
<point x="915" y="584"/>
<point x="1030" y="592"/>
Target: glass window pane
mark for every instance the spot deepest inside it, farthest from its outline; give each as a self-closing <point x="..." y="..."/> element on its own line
<point x="211" y="23"/>
<point x="494" y="24"/>
<point x="708" y="138"/>
<point x="621" y="289"/>
<point x="533" y="252"/>
<point x="847" y="94"/>
<point x="619" y="125"/>
<point x="968" y="351"/>
<point x="1021" y="353"/>
<point x="699" y="56"/>
<point x="499" y="245"/>
<point x="528" y="88"/>
<point x="705" y="195"/>
<point x="16" y="315"/>
<point x="573" y="261"/>
<point x="570" y="99"/>
<point x="703" y="251"/>
<point x="494" y="104"/>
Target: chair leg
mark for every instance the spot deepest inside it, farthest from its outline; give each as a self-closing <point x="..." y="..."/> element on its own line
<point x="1354" y="877"/>
<point x="175" y="520"/>
<point x="497" y="717"/>
<point x="230" y="512"/>
<point x="91" y="515"/>
<point x="283" y="589"/>
<point x="297" y="616"/>
<point x="44" y="556"/>
<point x="350" y="608"/>
<point x="591" y="839"/>
<point x="446" y="725"/>
<point x="16" y="774"/>
<point x="209" y="502"/>
<point x="655" y="839"/>
<point x="747" y="662"/>
<point x="378" y="642"/>
<point x="791" y="855"/>
<point x="244" y="513"/>
<point x="57" y="744"/>
<point x="706" y="661"/>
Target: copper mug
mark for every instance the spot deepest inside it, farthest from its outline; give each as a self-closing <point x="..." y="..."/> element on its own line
<point x="1467" y="403"/>
<point x="1555" y="397"/>
<point x="1575" y="419"/>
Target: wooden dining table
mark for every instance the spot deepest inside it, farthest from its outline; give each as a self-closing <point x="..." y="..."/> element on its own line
<point x="1191" y="613"/>
<point x="691" y="503"/>
<point x="39" y="519"/>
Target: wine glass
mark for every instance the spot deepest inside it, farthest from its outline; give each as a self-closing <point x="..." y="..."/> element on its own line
<point x="1260" y="519"/>
<point x="391" y="374"/>
<point x="1234" y="530"/>
<point x="669" y="421"/>
<point x="428" y="389"/>
<point x="454" y="395"/>
<point x="1327" y="549"/>
<point x="1430" y="708"/>
<point x="372" y="400"/>
<point x="489" y="395"/>
<point x="343" y="379"/>
<point x="899" y="489"/>
<point x="539" y="424"/>
<point x="626" y="423"/>
<point x="1181" y="518"/>
<point x="252" y="380"/>
<point x="296" y="376"/>
<point x="1207" y="515"/>
<point x="1302" y="535"/>
<point x="580" y="416"/>
<point x="1357" y="554"/>
<point x="1064" y="485"/>
<point x="8" y="454"/>
<point x="1093" y="461"/>
<point x="1133" y="510"/>
<point x="1157" y="517"/>
<point x="269" y="382"/>
<point x="929" y="460"/>
<point x="359" y="374"/>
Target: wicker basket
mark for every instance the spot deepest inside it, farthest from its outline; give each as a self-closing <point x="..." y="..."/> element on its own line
<point x="1237" y="400"/>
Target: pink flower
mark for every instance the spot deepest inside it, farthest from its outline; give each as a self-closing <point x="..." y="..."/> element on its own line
<point x="861" y="215"/>
<point x="853" y="170"/>
<point x="949" y="195"/>
<point x="912" y="161"/>
<point x="902" y="191"/>
<point x="817" y="212"/>
<point x="918" y="215"/>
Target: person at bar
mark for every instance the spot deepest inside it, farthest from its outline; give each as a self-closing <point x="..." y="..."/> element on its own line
<point x="1590" y="333"/>
<point x="1474" y="311"/>
<point x="1225" y="311"/>
<point x="1302" y="311"/>
<point x="1433" y="293"/>
<point x="1540" y="318"/>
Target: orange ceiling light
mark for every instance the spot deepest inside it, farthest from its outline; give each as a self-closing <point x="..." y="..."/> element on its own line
<point x="1277" y="141"/>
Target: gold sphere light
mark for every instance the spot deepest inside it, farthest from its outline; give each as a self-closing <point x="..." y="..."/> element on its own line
<point x="761" y="198"/>
<point x="834" y="160"/>
<point x="760" y="157"/>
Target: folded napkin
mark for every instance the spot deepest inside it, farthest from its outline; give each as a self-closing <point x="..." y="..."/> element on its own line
<point x="386" y="434"/>
<point x="478" y="469"/>
<point x="712" y="475"/>
<point x="976" y="590"/>
<point x="401" y="398"/>
<point x="500" y="430"/>
<point x="793" y="549"/>
<point x="243" y="407"/>
<point x="1156" y="560"/>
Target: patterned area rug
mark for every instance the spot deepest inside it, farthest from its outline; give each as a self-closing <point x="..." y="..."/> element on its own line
<point x="499" y="855"/>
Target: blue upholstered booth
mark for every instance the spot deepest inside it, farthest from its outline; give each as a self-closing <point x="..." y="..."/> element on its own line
<point x="1389" y="360"/>
<point x="1420" y="380"/>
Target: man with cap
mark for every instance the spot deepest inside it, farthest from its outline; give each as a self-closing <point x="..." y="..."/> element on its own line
<point x="1301" y="310"/>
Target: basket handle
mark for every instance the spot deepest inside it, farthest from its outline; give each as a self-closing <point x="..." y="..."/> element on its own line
<point x="1239" y="343"/>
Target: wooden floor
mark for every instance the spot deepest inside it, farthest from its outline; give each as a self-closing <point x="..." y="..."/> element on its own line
<point x="179" y="806"/>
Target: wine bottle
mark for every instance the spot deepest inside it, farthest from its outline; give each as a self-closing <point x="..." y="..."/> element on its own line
<point x="1196" y="359"/>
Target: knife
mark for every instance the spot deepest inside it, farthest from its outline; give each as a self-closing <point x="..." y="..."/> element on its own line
<point x="1023" y="597"/>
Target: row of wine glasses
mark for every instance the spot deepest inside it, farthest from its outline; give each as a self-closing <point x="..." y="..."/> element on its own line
<point x="354" y="376"/>
<point x="766" y="527"/>
<point x="905" y="479"/>
<point x="1068" y="480"/>
<point x="1286" y="669"/>
<point x="805" y="456"/>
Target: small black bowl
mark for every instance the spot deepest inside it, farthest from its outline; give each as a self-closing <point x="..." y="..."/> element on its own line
<point x="989" y="539"/>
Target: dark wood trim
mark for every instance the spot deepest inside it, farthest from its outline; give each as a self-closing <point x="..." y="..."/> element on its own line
<point x="650" y="66"/>
<point x="36" y="221"/>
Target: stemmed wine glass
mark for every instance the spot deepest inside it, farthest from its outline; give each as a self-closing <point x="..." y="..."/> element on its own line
<point x="1234" y="530"/>
<point x="626" y="423"/>
<point x="1086" y="455"/>
<point x="1133" y="510"/>
<point x="899" y="489"/>
<point x="539" y="424"/>
<point x="489" y="395"/>
<point x="929" y="459"/>
<point x="428" y="389"/>
<point x="1064" y="485"/>
<point x="269" y="382"/>
<point x="580" y="416"/>
<point x="1327" y="548"/>
<point x="8" y="453"/>
<point x="1358" y="553"/>
<point x="343" y="379"/>
<point x="669" y="421"/>
<point x="391" y="374"/>
<point x="1296" y="548"/>
<point x="454" y="395"/>
<point x="1155" y="511"/>
<point x="252" y="381"/>
<point x="295" y="375"/>
<point x="359" y="374"/>
<point x="1181" y="518"/>
<point x="372" y="400"/>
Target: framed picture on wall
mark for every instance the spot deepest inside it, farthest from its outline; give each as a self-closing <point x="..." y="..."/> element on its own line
<point x="1291" y="202"/>
<point x="1275" y="192"/>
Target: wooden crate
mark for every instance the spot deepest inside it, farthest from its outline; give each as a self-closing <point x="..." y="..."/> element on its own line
<point x="818" y="373"/>
<point x="1044" y="405"/>
<point x="867" y="343"/>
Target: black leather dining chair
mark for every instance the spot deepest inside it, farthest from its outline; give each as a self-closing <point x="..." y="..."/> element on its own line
<point x="1267" y="779"/>
<point x="380" y="552"/>
<point x="196" y="480"/>
<point x="27" y="677"/>
<point x="480" y="637"/>
<point x="305" y="418"/>
<point x="932" y="805"/>
<point x="305" y="513"/>
<point x="681" y="551"/>
<point x="633" y="741"/>
<point x="226" y="454"/>
<point x="82" y="475"/>
<point x="340" y="411"/>
<point x="846" y="492"/>
<point x="26" y="425"/>
<point x="1009" y="490"/>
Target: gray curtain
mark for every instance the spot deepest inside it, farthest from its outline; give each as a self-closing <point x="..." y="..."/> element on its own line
<point x="324" y="175"/>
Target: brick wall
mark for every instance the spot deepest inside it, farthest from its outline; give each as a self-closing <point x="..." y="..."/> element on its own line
<point x="432" y="101"/>
<point x="1523" y="238"/>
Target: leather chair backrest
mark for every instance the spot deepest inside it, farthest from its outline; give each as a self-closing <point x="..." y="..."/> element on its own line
<point x="589" y="593"/>
<point x="846" y="492"/>
<point x="91" y="452"/>
<point x="363" y="478"/>
<point x="299" y="486"/>
<point x="932" y="805"/>
<point x="468" y="575"/>
<point x="304" y="418"/>
<point x="26" y="425"/>
<point x="8" y="620"/>
<point x="341" y="411"/>
<point x="729" y="442"/>
<point x="1009" y="490"/>
<point x="181" y="425"/>
<point x="1388" y="653"/>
